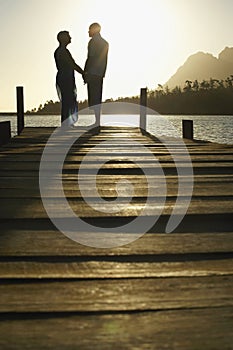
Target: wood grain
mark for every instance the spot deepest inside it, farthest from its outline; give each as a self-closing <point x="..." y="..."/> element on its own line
<point x="186" y="329"/>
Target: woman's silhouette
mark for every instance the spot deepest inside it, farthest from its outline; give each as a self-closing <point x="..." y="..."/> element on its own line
<point x="65" y="80"/>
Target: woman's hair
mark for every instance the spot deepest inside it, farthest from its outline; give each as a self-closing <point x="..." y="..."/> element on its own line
<point x="62" y="35"/>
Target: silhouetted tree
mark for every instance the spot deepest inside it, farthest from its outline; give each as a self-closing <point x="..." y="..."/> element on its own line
<point x="188" y="86"/>
<point x="195" y="85"/>
<point x="206" y="97"/>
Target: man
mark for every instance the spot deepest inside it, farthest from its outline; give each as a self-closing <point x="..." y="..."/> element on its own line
<point x="95" y="69"/>
<point x="65" y="80"/>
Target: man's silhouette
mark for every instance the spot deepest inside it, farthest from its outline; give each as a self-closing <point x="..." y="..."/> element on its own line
<point x="95" y="69"/>
<point x="65" y="80"/>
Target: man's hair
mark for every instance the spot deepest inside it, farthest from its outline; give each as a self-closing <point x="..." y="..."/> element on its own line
<point x="62" y="35"/>
<point x="96" y="27"/>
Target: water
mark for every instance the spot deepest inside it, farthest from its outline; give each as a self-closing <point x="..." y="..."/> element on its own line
<point x="210" y="128"/>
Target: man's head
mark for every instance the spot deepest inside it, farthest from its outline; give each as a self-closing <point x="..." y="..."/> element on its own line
<point x="64" y="38"/>
<point x="94" y="29"/>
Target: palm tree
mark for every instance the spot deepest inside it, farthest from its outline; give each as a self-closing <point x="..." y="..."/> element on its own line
<point x="213" y="83"/>
<point x="220" y="83"/>
<point x="229" y="82"/>
<point x="188" y="85"/>
<point x="195" y="85"/>
<point x="205" y="85"/>
<point x="159" y="90"/>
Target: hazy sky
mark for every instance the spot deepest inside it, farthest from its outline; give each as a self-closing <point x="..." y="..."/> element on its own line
<point x="149" y="40"/>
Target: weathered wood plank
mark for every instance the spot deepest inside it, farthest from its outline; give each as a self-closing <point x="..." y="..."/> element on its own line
<point x="33" y="208"/>
<point x="201" y="180"/>
<point x="116" y="294"/>
<point x="117" y="164"/>
<point x="30" y="189"/>
<point x="123" y="169"/>
<point x="142" y="158"/>
<point x="36" y="151"/>
<point x="132" y="178"/>
<point x="37" y="269"/>
<point x="209" y="329"/>
<point x="28" y="239"/>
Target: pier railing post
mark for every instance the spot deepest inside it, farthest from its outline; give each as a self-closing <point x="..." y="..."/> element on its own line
<point x="143" y="104"/>
<point x="20" y="109"/>
<point x="187" y="127"/>
<point x="5" y="132"/>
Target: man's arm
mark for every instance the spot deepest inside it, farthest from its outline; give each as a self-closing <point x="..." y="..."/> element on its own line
<point x="90" y="55"/>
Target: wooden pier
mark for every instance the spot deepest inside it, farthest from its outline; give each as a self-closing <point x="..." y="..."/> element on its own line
<point x="163" y="291"/>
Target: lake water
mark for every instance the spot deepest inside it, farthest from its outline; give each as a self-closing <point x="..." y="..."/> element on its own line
<point x="210" y="128"/>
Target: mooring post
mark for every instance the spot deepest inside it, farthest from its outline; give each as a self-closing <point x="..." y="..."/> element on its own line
<point x="5" y="132"/>
<point x="20" y="109"/>
<point x="143" y="104"/>
<point x="187" y="126"/>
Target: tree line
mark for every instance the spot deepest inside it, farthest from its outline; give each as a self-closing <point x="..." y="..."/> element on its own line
<point x="211" y="97"/>
<point x="53" y="108"/>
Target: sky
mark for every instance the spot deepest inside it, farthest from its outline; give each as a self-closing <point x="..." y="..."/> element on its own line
<point x="148" y="41"/>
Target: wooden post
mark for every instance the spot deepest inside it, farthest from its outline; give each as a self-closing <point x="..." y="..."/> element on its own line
<point x="143" y="104"/>
<point x="20" y="109"/>
<point x="187" y="126"/>
<point x="5" y="132"/>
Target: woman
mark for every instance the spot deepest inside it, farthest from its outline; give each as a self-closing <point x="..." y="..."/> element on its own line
<point x="65" y="80"/>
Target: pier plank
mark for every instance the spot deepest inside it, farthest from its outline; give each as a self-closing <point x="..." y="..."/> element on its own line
<point x="34" y="239"/>
<point x="115" y="294"/>
<point x="183" y="329"/>
<point x="12" y="188"/>
<point x="33" y="208"/>
<point x="92" y="269"/>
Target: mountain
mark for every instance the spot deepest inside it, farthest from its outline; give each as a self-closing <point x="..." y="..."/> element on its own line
<point x="202" y="66"/>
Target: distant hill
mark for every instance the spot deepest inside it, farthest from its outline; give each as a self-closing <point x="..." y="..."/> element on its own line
<point x="202" y="66"/>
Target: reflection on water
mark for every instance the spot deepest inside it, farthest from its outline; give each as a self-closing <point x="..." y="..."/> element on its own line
<point x="213" y="128"/>
<point x="209" y="128"/>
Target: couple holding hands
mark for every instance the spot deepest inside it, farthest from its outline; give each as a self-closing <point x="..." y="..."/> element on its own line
<point x="93" y="74"/>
